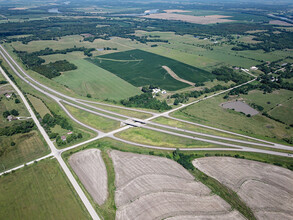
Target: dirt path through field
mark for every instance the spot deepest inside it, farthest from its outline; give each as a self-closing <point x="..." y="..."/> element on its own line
<point x="174" y="75"/>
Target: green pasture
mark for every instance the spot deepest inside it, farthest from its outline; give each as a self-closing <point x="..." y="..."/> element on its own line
<point x="99" y="83"/>
<point x="27" y="147"/>
<point x="39" y="191"/>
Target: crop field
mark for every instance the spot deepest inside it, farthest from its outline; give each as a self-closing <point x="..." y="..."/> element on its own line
<point x="91" y="170"/>
<point x="39" y="191"/>
<point x="266" y="189"/>
<point x="157" y="188"/>
<point x="95" y="121"/>
<point x="27" y="148"/>
<point x="40" y="107"/>
<point x="208" y="19"/>
<point x="93" y="80"/>
<point x="149" y="137"/>
<point x="211" y="113"/>
<point x="142" y="68"/>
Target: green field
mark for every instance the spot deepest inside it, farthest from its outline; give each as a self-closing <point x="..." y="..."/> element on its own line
<point x="95" y="121"/>
<point x="149" y="137"/>
<point x="39" y="191"/>
<point x="91" y="79"/>
<point x="27" y="147"/>
<point x="209" y="112"/>
<point x="278" y="104"/>
<point x="284" y="112"/>
<point x="142" y="68"/>
<point x="39" y="106"/>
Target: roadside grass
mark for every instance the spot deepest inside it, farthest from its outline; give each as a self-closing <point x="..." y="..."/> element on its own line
<point x="212" y="114"/>
<point x="39" y="106"/>
<point x="27" y="147"/>
<point x="136" y="69"/>
<point x="149" y="137"/>
<point x="39" y="191"/>
<point x="126" y="112"/>
<point x="182" y="125"/>
<point x="95" y="121"/>
<point x="93" y="80"/>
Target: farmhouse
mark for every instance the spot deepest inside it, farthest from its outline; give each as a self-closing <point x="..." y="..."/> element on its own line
<point x="8" y="96"/>
<point x="10" y="118"/>
<point x="253" y="68"/>
<point x="63" y="138"/>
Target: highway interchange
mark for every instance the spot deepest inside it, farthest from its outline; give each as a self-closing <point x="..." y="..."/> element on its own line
<point x="85" y="105"/>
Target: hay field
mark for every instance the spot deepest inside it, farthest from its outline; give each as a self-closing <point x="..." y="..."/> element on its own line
<point x="27" y="147"/>
<point x="149" y="187"/>
<point x="209" y="19"/>
<point x="91" y="170"/>
<point x="40" y="191"/>
<point x="266" y="189"/>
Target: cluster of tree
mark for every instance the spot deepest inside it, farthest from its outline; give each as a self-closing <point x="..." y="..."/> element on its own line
<point x="109" y="48"/>
<point x="23" y="127"/>
<point x="149" y="89"/>
<point x="145" y="39"/>
<point x="268" y="42"/>
<point x="69" y="139"/>
<point x="12" y="112"/>
<point x="52" y="70"/>
<point x="183" y="97"/>
<point x="3" y="82"/>
<point x="226" y="74"/>
<point x="256" y="106"/>
<point x="146" y="100"/>
<point x="34" y="62"/>
<point x="49" y="121"/>
<point x="183" y="159"/>
<point x="49" y="51"/>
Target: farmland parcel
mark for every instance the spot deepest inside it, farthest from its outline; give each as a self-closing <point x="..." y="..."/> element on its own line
<point x="267" y="189"/>
<point x="142" y="68"/>
<point x="149" y="187"/>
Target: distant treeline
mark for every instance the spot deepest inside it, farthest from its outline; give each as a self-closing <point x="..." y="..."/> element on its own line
<point x="54" y="28"/>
